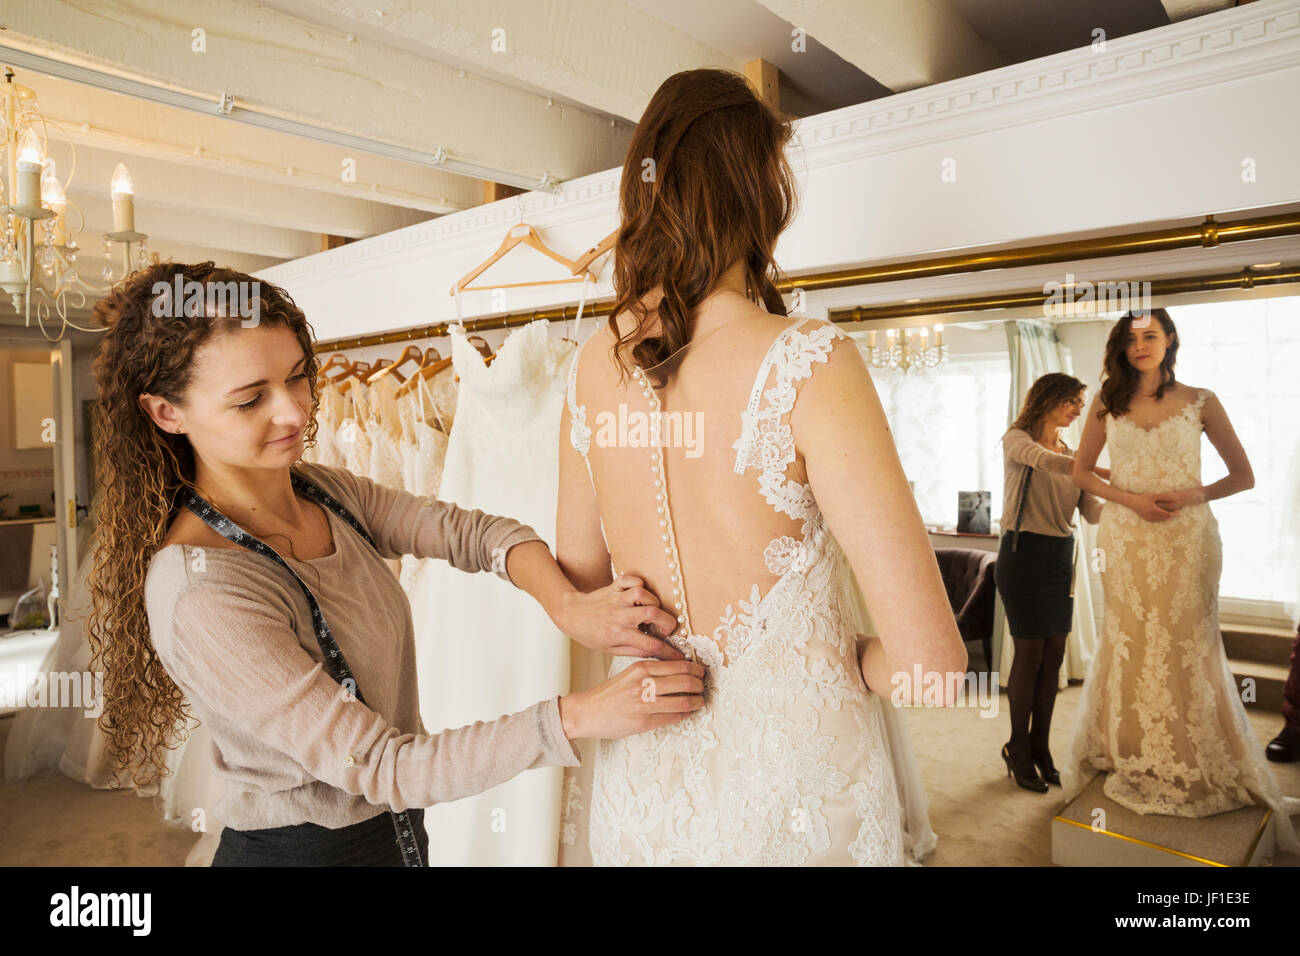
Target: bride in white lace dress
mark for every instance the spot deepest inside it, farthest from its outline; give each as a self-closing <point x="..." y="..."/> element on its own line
<point x="746" y="473"/>
<point x="1161" y="714"/>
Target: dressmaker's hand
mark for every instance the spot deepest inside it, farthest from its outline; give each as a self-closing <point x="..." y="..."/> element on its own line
<point x="1149" y="509"/>
<point x="1173" y="500"/>
<point x="641" y="697"/>
<point x="609" y="620"/>
<point x="1102" y="473"/>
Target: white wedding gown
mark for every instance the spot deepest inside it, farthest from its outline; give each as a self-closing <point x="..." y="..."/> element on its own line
<point x="1161" y="712"/>
<point x="483" y="647"/>
<point x="792" y="760"/>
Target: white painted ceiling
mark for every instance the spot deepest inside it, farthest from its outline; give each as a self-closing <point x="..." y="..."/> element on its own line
<point x="562" y="97"/>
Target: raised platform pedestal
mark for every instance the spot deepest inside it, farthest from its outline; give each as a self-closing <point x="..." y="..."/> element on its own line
<point x="1241" y="837"/>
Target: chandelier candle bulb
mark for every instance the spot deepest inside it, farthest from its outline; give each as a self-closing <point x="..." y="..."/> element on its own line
<point x="871" y="339"/>
<point x="123" y="200"/>
<point x="28" y="192"/>
<point x="938" y="336"/>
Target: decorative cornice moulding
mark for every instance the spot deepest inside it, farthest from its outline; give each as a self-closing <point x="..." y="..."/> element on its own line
<point x="1194" y="53"/>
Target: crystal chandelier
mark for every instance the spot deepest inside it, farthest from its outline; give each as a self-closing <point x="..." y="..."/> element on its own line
<point x="907" y="351"/>
<point x="38" y="250"/>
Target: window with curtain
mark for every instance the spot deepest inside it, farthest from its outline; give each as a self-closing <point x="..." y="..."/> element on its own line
<point x="1248" y="353"/>
<point x="947" y="422"/>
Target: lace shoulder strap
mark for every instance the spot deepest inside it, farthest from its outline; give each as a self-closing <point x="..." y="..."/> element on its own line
<point x="579" y="432"/>
<point x="792" y="354"/>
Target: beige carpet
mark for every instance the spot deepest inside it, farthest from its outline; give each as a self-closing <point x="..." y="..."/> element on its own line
<point x="981" y="816"/>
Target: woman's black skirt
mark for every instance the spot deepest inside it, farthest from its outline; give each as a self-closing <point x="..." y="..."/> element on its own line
<point x="1034" y="582"/>
<point x="372" y="842"/>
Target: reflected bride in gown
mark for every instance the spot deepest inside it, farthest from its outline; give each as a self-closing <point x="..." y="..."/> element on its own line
<point x="1161" y="713"/>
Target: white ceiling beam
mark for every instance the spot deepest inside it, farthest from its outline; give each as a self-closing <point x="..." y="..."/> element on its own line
<point x="200" y="231"/>
<point x="601" y="55"/>
<point x="276" y="66"/>
<point x="108" y="121"/>
<point x="902" y="44"/>
<point x="173" y="251"/>
<point x="189" y="190"/>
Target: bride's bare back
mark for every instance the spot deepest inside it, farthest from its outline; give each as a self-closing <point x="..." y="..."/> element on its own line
<point x="714" y="542"/>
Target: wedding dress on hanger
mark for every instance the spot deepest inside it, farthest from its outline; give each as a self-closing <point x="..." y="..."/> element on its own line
<point x="382" y="428"/>
<point x="352" y="437"/>
<point x="792" y="760"/>
<point x="1161" y="712"/>
<point x="424" y="448"/>
<point x="484" y="648"/>
<point x="329" y="414"/>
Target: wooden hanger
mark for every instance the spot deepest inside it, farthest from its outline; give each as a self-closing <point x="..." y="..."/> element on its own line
<point x="585" y="260"/>
<point x="521" y="234"/>
<point x="425" y="372"/>
<point x="337" y="360"/>
<point x="409" y="353"/>
<point x="357" y="373"/>
<point x="595" y="252"/>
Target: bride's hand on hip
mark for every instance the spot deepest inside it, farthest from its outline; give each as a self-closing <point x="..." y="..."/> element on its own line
<point x="609" y="619"/>
<point x="641" y="697"/>
<point x="1148" y="509"/>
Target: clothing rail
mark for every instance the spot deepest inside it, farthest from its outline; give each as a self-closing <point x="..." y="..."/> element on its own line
<point x="1208" y="234"/>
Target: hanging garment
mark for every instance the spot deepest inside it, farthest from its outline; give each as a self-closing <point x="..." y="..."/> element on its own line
<point x="352" y="438"/>
<point x="382" y="427"/>
<point x="442" y="393"/>
<point x="479" y="647"/>
<point x="1161" y="712"/>
<point x="792" y="759"/>
<point x="424" y="449"/>
<point x="329" y="414"/>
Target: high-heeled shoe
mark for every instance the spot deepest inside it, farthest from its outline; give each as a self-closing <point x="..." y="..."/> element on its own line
<point x="1043" y="762"/>
<point x="1026" y="781"/>
<point x="1285" y="747"/>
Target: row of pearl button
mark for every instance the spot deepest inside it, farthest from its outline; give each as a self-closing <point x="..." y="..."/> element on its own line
<point x="661" y="485"/>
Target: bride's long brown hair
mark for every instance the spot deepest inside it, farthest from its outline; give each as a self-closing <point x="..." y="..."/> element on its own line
<point x="706" y="183"/>
<point x="140" y="471"/>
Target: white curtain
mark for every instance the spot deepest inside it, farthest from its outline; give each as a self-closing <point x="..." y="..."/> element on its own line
<point x="1035" y="349"/>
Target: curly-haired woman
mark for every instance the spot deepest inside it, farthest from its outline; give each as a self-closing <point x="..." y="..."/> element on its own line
<point x="233" y="578"/>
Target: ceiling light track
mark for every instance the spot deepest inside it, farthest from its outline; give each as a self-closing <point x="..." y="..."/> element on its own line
<point x="225" y="104"/>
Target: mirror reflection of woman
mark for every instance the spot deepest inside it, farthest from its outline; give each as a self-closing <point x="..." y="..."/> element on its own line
<point x="1161" y="714"/>
<point x="1035" y="568"/>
